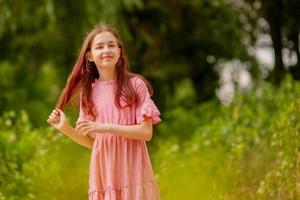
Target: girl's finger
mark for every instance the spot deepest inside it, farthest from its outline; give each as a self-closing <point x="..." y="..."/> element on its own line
<point x="87" y="129"/>
<point x="83" y="122"/>
<point x="54" y="118"/>
<point x="59" y="110"/>
<point x="53" y="115"/>
<point x="86" y="132"/>
<point x="83" y="129"/>
<point x="91" y="128"/>
<point x="50" y="121"/>
<point x="83" y="125"/>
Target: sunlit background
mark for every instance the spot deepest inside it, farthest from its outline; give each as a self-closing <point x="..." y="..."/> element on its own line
<point x="225" y="75"/>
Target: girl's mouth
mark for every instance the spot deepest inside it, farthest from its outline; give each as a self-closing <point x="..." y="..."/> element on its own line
<point x="107" y="57"/>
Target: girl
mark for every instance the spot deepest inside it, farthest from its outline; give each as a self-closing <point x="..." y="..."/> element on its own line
<point x="115" y="119"/>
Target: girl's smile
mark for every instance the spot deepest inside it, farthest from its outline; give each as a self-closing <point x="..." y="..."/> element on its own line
<point x="107" y="57"/>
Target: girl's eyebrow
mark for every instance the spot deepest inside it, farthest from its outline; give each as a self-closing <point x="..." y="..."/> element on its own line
<point x="111" y="41"/>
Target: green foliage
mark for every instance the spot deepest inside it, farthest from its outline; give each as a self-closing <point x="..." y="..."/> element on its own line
<point x="33" y="92"/>
<point x="39" y="163"/>
<point x="282" y="181"/>
<point x="16" y="143"/>
<point x="248" y="150"/>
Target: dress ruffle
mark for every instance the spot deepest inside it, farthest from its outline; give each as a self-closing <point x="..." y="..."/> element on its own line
<point x="145" y="191"/>
<point x="148" y="110"/>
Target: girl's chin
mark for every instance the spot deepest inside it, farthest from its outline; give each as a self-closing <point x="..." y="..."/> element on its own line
<point x="107" y="65"/>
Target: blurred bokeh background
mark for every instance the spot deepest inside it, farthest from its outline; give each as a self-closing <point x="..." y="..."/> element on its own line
<point x="226" y="79"/>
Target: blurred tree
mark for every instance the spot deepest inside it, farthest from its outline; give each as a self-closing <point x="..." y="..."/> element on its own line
<point x="292" y="9"/>
<point x="27" y="39"/>
<point x="173" y="40"/>
<point x="283" y="17"/>
<point x="272" y="11"/>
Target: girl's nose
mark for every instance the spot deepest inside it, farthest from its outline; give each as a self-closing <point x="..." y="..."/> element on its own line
<point x="106" y="49"/>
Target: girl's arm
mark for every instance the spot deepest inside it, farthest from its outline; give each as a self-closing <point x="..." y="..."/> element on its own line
<point x="85" y="141"/>
<point x="142" y="131"/>
<point x="58" y="120"/>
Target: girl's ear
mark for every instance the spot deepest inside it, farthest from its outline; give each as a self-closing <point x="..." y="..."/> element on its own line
<point x="88" y="56"/>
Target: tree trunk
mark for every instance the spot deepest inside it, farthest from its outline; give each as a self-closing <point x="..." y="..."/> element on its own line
<point x="273" y="14"/>
<point x="205" y="80"/>
<point x="295" y="70"/>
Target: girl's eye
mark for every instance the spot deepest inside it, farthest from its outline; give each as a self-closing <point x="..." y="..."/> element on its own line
<point x="112" y="45"/>
<point x="99" y="47"/>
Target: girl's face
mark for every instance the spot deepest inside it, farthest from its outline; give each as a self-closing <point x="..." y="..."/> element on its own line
<point x="105" y="51"/>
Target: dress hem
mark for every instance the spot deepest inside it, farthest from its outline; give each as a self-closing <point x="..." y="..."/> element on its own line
<point x="147" y="190"/>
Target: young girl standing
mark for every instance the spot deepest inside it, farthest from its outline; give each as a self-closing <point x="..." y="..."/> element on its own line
<point x="115" y="119"/>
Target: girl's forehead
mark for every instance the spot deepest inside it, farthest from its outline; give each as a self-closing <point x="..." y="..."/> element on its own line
<point x="104" y="37"/>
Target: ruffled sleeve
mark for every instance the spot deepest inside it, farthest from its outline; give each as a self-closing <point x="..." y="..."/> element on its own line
<point x="145" y="107"/>
<point x="82" y="116"/>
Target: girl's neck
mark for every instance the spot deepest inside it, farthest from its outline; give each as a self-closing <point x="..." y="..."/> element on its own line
<point x="106" y="74"/>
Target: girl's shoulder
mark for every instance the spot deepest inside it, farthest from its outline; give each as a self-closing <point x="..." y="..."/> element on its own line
<point x="137" y="81"/>
<point x="141" y="84"/>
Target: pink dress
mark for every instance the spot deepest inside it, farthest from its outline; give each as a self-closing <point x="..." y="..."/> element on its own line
<point x="120" y="168"/>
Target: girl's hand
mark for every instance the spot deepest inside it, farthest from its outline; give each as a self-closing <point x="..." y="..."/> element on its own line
<point x="87" y="126"/>
<point x="57" y="119"/>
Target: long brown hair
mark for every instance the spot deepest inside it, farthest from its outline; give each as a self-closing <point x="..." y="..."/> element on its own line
<point x="84" y="73"/>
